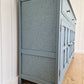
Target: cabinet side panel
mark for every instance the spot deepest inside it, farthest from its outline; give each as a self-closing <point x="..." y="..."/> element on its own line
<point x="38" y="40"/>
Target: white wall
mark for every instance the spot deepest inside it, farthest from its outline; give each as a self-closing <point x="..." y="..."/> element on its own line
<point x="9" y="41"/>
<point x="78" y="6"/>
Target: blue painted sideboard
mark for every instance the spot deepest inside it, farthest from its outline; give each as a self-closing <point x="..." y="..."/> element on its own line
<point x="46" y="40"/>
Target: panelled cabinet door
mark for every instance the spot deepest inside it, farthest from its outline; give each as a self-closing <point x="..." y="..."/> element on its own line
<point x="67" y="47"/>
<point x="65" y="36"/>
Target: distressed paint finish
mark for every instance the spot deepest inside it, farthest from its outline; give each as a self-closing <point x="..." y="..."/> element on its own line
<point x="41" y="40"/>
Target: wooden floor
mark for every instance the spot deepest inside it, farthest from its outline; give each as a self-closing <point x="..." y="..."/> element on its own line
<point x="75" y="73"/>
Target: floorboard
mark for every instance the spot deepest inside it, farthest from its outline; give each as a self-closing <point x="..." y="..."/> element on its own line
<point x="75" y="73"/>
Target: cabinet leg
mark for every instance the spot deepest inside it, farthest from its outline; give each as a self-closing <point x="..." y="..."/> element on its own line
<point x="73" y="57"/>
<point x="20" y="81"/>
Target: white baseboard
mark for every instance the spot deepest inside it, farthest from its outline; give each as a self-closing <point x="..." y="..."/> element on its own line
<point x="80" y="51"/>
<point x="12" y="81"/>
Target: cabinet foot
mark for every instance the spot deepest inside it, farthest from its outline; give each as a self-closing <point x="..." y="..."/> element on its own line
<point x="73" y="57"/>
<point x="20" y="81"/>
